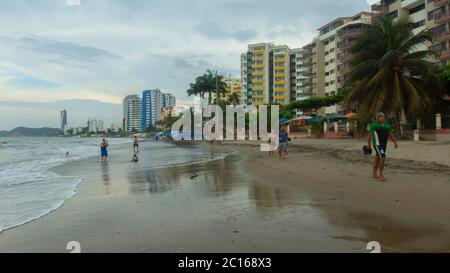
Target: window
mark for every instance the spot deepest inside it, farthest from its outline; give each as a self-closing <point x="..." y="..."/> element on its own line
<point x="419" y="24"/>
<point x="393" y="15"/>
<point x="436" y="13"/>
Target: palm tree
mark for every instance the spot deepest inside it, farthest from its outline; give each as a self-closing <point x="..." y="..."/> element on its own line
<point x="197" y="88"/>
<point x="234" y="99"/>
<point x="208" y="83"/>
<point x="391" y="73"/>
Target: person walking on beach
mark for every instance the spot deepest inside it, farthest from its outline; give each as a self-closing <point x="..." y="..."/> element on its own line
<point x="283" y="139"/>
<point x="104" y="151"/>
<point x="136" y="144"/>
<point x="379" y="133"/>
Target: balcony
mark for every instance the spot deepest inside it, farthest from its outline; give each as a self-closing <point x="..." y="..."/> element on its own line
<point x="379" y="10"/>
<point x="258" y="96"/>
<point x="280" y="89"/>
<point x="442" y="18"/>
<point x="442" y="36"/>
<point x="307" y="82"/>
<point x="344" y="46"/>
<point x="350" y="33"/>
<point x="257" y="81"/>
<point x="345" y="58"/>
<point x="345" y="70"/>
<point x="280" y="82"/>
<point x="307" y="72"/>
<point x="440" y="3"/>
<point x="258" y="73"/>
<point x="280" y="60"/>
<point x="259" y="51"/>
<point x="409" y="4"/>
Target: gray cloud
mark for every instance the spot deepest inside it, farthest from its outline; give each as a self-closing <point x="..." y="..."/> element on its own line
<point x="214" y="30"/>
<point x="65" y="52"/>
<point x="106" y="49"/>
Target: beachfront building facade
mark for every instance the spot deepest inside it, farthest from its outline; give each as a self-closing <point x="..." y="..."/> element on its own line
<point x="432" y="15"/>
<point x="233" y="85"/>
<point x="266" y="74"/>
<point x="331" y="57"/>
<point x="95" y="126"/>
<point x="152" y="101"/>
<point x="168" y="100"/>
<point x="132" y="113"/>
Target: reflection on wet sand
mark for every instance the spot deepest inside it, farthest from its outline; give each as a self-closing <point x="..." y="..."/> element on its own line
<point x="215" y="179"/>
<point x="106" y="178"/>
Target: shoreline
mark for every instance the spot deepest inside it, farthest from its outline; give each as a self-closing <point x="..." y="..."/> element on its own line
<point x="351" y="208"/>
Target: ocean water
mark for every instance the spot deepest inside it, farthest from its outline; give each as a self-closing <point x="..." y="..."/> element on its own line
<point x="28" y="190"/>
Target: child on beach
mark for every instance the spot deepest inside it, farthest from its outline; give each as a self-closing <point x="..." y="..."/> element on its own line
<point x="135" y="158"/>
<point x="283" y="139"/>
<point x="272" y="144"/>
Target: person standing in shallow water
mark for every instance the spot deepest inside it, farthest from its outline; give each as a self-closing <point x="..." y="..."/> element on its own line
<point x="104" y="150"/>
<point x="136" y="144"/>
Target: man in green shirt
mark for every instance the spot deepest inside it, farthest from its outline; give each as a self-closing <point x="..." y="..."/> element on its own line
<point x="379" y="133"/>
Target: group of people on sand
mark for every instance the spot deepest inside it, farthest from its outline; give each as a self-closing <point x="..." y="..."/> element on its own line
<point x="379" y="133"/>
<point x="104" y="150"/>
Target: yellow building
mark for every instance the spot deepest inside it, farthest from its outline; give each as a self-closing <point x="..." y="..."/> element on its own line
<point x="233" y="85"/>
<point x="266" y="74"/>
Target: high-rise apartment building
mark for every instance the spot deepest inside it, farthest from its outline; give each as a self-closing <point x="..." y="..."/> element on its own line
<point x="139" y="113"/>
<point x="132" y="112"/>
<point x="433" y="15"/>
<point x="95" y="126"/>
<point x="63" y="122"/>
<point x="331" y="56"/>
<point x="266" y="74"/>
<point x="152" y="101"/>
<point x="168" y="100"/>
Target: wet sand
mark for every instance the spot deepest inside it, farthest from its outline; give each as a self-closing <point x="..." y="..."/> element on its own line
<point x="316" y="201"/>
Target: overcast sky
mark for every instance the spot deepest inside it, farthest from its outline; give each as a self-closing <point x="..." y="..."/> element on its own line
<point x="52" y="55"/>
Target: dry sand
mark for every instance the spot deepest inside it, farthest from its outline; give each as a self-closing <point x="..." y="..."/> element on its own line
<point x="408" y="212"/>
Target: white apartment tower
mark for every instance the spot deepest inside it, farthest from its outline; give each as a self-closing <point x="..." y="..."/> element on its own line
<point x="132" y="111"/>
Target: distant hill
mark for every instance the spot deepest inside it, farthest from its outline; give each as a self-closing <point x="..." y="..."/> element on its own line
<point x="29" y="132"/>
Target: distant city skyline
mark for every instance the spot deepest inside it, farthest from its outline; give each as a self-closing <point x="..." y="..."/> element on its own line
<point x="103" y="50"/>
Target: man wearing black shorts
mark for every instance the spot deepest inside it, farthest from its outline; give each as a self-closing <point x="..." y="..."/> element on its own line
<point x="136" y="144"/>
<point x="379" y="133"/>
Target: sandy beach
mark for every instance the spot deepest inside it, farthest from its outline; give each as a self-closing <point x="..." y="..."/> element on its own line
<point x="321" y="199"/>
